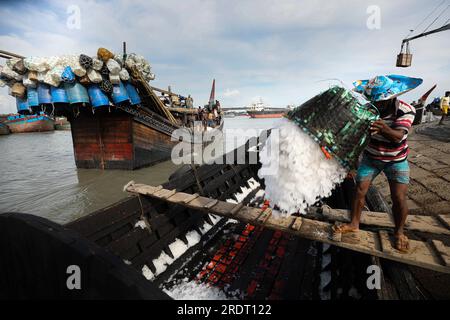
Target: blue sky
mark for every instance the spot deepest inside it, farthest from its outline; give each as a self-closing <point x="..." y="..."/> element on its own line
<point x="278" y="50"/>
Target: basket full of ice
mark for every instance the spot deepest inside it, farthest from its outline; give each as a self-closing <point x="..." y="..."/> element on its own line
<point x="313" y="149"/>
<point x="339" y="120"/>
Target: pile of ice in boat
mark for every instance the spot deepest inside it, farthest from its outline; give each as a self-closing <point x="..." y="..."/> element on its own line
<point x="61" y="79"/>
<point x="302" y="175"/>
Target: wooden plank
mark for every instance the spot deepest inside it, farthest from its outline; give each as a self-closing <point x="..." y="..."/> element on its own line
<point x="211" y="204"/>
<point x="297" y="223"/>
<point x="265" y="215"/>
<point x="443" y="251"/>
<point x="445" y="219"/>
<point x="381" y="219"/>
<point x="386" y="245"/>
<point x="421" y="253"/>
<point x="143" y="189"/>
<point x="236" y="208"/>
<point x="192" y="197"/>
<point x="168" y="193"/>
<point x="199" y="203"/>
<point x="180" y="197"/>
<point x="247" y="214"/>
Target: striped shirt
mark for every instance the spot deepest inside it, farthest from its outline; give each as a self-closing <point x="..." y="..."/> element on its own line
<point x="381" y="148"/>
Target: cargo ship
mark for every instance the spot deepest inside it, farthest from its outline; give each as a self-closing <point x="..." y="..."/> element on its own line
<point x="261" y="110"/>
<point x="30" y="123"/>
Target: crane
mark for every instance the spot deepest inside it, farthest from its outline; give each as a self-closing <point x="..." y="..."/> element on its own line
<point x="404" y="58"/>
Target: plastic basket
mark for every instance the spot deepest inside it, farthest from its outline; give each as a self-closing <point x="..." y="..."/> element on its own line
<point x="339" y="120"/>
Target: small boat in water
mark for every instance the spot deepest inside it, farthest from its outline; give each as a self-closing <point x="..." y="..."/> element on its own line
<point x="61" y="123"/>
<point x="4" y="130"/>
<point x="30" y="123"/>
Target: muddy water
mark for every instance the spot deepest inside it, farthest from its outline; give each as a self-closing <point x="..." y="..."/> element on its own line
<point x="38" y="175"/>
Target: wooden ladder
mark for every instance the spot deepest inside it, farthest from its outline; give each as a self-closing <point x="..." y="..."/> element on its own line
<point x="433" y="255"/>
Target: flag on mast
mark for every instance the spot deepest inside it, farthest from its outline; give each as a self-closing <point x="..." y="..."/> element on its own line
<point x="212" y="98"/>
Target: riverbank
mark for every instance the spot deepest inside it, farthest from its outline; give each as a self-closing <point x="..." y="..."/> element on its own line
<point x="429" y="190"/>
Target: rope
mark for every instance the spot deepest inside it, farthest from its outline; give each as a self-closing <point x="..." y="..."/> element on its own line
<point x="143" y="217"/>
<point x="429" y="15"/>
<point x="443" y="11"/>
<point x="194" y="169"/>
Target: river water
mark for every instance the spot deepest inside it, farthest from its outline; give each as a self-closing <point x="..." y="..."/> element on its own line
<point x="38" y="174"/>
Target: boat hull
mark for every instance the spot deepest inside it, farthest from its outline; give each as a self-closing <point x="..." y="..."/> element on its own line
<point x="262" y="114"/>
<point x="35" y="123"/>
<point x="61" y="123"/>
<point x="4" y="130"/>
<point x="116" y="141"/>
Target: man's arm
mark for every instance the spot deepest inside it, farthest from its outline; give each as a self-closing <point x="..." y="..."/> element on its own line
<point x="394" y="135"/>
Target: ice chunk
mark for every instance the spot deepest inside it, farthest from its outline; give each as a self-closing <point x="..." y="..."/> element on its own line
<point x="195" y="291"/>
<point x="304" y="174"/>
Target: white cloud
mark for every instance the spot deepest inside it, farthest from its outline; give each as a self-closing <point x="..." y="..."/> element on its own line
<point x="231" y="93"/>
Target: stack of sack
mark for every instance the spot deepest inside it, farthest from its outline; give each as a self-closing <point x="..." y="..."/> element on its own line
<point x="105" y="69"/>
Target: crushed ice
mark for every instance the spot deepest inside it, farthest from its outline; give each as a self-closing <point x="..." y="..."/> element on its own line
<point x="304" y="174"/>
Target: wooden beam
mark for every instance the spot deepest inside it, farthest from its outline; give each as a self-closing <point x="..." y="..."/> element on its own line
<point x="9" y="55"/>
<point x="380" y="244"/>
<point x="149" y="95"/>
<point x="170" y="93"/>
<point x="427" y="224"/>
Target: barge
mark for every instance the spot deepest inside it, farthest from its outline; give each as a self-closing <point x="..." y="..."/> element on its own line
<point x="117" y="124"/>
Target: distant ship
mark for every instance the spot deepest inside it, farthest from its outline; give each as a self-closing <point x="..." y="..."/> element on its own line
<point x="30" y="123"/>
<point x="261" y="110"/>
<point x="61" y="123"/>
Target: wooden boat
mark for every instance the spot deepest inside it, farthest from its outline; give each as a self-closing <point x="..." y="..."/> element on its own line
<point x="420" y="106"/>
<point x="61" y="123"/>
<point x="117" y="133"/>
<point x="258" y="259"/>
<point x="4" y="130"/>
<point x="126" y="136"/>
<point x="30" y="123"/>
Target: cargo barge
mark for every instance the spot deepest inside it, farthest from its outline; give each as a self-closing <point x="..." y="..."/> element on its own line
<point x="120" y="124"/>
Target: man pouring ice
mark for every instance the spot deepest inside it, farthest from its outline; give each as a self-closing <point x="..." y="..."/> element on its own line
<point x="387" y="150"/>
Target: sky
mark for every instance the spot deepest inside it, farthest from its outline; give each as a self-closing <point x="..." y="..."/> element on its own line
<point x="284" y="51"/>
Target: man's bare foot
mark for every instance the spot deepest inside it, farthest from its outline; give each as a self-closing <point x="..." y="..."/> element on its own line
<point x="345" y="228"/>
<point x="401" y="242"/>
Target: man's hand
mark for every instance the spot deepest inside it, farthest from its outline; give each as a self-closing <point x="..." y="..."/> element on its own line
<point x="395" y="135"/>
<point x="379" y="126"/>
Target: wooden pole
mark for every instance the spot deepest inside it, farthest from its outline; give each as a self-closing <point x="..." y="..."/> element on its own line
<point x="9" y="55"/>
